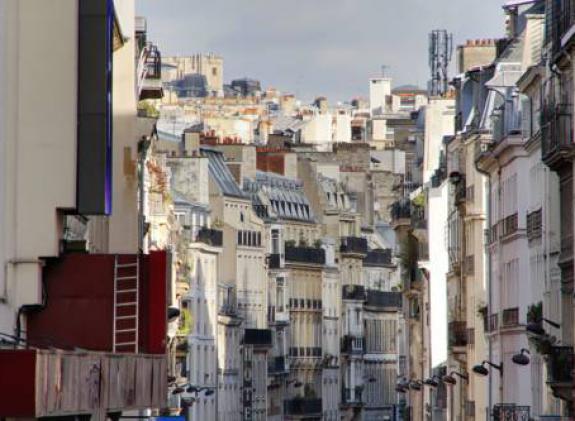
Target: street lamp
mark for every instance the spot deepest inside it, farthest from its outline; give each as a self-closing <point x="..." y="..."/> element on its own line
<point x="450" y="379"/>
<point x="483" y="371"/>
<point x="432" y="381"/>
<point x="521" y="358"/>
<point x="296" y="383"/>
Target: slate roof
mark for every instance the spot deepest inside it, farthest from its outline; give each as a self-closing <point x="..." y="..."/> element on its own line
<point x="278" y="197"/>
<point x="220" y="173"/>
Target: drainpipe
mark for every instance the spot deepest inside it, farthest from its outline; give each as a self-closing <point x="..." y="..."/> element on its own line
<point x="489" y="285"/>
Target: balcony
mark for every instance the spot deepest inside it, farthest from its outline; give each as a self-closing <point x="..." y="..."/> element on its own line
<point x="418" y="218"/>
<point x="481" y="148"/>
<point x="353" y="245"/>
<point x="457" y="333"/>
<point x="401" y="212"/>
<point x="504" y="412"/>
<point x="559" y="29"/>
<point x="306" y="255"/>
<point x="510" y="317"/>
<point x="150" y="73"/>
<point x="211" y="237"/>
<point x="303" y="407"/>
<point x="534" y="224"/>
<point x="227" y="300"/>
<point x="460" y="191"/>
<point x="48" y="383"/>
<point x="352" y="397"/>
<point x="258" y="337"/>
<point x="378" y="258"/>
<point x="104" y="303"/>
<point x="557" y="135"/>
<point x="383" y="300"/>
<point x="510" y="225"/>
<point x="275" y="261"/>
<point x="352" y="345"/>
<point x="560" y="372"/>
<point x="353" y="293"/>
<point x="278" y="365"/>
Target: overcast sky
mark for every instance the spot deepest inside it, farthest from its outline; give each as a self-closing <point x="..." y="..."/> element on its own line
<point x="318" y="47"/>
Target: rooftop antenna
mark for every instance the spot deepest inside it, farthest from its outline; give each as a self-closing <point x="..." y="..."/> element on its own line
<point x="440" y="54"/>
<point x="383" y="69"/>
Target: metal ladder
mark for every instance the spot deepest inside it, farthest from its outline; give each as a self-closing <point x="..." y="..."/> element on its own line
<point x="126" y="308"/>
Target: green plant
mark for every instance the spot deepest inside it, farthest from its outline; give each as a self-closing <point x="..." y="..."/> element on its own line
<point x="317" y="243"/>
<point x="302" y="242"/>
<point x="419" y="200"/>
<point x="290" y="243"/>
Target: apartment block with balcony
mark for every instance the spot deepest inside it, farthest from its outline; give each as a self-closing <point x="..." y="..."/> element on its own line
<point x="290" y="224"/>
<point x="62" y="199"/>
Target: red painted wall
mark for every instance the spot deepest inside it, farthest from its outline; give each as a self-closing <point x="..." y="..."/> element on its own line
<point x="79" y="308"/>
<point x="17" y="372"/>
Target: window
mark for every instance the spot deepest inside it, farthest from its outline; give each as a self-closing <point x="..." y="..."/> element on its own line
<point x="275" y="242"/>
<point x="280" y="294"/>
<point x="214" y="71"/>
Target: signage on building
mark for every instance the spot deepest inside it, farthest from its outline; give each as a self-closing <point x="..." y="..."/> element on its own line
<point x="248" y="390"/>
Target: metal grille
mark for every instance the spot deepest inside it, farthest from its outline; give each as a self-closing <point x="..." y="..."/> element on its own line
<point x="510" y="412"/>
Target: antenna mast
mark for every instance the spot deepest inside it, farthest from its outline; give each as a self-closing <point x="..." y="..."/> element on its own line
<point x="440" y="54"/>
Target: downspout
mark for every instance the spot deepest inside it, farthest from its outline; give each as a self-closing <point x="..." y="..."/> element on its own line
<point x="489" y="283"/>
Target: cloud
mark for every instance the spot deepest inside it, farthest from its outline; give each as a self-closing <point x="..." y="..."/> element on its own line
<point x="317" y="47"/>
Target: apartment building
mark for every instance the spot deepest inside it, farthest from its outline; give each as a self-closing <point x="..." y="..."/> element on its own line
<point x="69" y="211"/>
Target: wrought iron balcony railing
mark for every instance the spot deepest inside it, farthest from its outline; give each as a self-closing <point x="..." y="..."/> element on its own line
<point x="556" y="132"/>
<point x="457" y="333"/>
<point x="378" y="257"/>
<point x="356" y="245"/>
<point x="510" y="317"/>
<point x="560" y="365"/>
<point x="354" y="292"/>
<point x="352" y="345"/>
<point x="384" y="299"/>
<point x="309" y="255"/>
<point x="210" y="237"/>
<point x="508" y="412"/>
<point x="303" y="406"/>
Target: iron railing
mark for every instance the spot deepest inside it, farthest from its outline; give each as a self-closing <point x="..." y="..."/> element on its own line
<point x="258" y="337"/>
<point x="556" y="129"/>
<point x="401" y="209"/>
<point x="352" y="344"/>
<point x="511" y="412"/>
<point x="303" y="406"/>
<point x="384" y="299"/>
<point x="210" y="237"/>
<point x="510" y="317"/>
<point x="354" y="292"/>
<point x="353" y="245"/>
<point x="378" y="257"/>
<point x="309" y="255"/>
<point x="457" y="333"/>
<point x="560" y="365"/>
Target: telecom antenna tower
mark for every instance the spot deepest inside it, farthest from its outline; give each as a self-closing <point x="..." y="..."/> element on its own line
<point x="440" y="54"/>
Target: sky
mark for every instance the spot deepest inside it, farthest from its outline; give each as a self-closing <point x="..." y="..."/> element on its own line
<point x="318" y="47"/>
